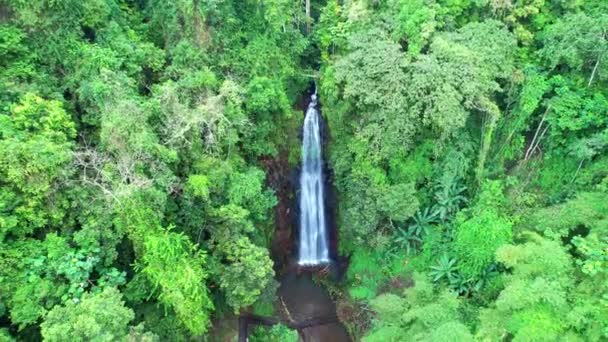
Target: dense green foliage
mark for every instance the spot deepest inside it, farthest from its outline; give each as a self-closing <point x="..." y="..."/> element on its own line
<point x="486" y="122"/>
<point x="131" y="135"/>
<point x="468" y="141"/>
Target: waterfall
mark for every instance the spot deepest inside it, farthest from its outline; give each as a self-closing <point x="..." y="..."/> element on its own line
<point x="313" y="232"/>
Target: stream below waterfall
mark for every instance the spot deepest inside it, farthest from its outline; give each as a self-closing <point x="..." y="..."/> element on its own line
<point x="301" y="300"/>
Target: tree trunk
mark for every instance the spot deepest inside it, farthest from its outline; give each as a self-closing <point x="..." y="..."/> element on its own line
<point x="594" y="70"/>
<point x="597" y="62"/>
<point x="534" y="143"/>
<point x="486" y="140"/>
<point x="308" y="19"/>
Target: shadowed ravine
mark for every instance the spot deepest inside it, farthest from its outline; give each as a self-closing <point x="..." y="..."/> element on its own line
<point x="303" y="304"/>
<point x="301" y="299"/>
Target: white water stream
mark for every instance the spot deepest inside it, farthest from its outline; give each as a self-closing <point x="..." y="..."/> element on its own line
<point x="313" y="246"/>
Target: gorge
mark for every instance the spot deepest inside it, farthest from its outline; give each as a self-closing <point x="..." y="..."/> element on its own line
<point x="313" y="237"/>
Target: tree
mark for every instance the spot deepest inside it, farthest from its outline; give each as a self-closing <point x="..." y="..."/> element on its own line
<point x="478" y="237"/>
<point x="417" y="24"/>
<point x="246" y="189"/>
<point x="246" y="274"/>
<point x="373" y="80"/>
<point x="97" y="317"/>
<point x="176" y="270"/>
<point x="579" y="222"/>
<point x="579" y="41"/>
<point x="420" y="315"/>
<point x="17" y="66"/>
<point x="278" y="333"/>
<point x="267" y="102"/>
<point x="52" y="273"/>
<point x="35" y="152"/>
<point x="459" y="74"/>
<point x="534" y="303"/>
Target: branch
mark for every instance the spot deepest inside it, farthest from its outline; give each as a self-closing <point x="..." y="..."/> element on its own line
<point x="599" y="57"/>
<point x="594" y="70"/>
<point x="533" y="142"/>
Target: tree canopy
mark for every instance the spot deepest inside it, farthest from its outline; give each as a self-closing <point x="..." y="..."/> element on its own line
<point x="149" y="156"/>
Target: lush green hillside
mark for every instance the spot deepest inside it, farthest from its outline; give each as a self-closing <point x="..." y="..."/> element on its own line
<point x="469" y="144"/>
<point x="468" y="140"/>
<point x="130" y="140"/>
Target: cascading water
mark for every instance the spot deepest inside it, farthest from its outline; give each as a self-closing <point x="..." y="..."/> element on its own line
<point x="313" y="233"/>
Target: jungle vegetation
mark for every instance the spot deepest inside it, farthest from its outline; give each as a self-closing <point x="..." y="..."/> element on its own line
<point x="468" y="143"/>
